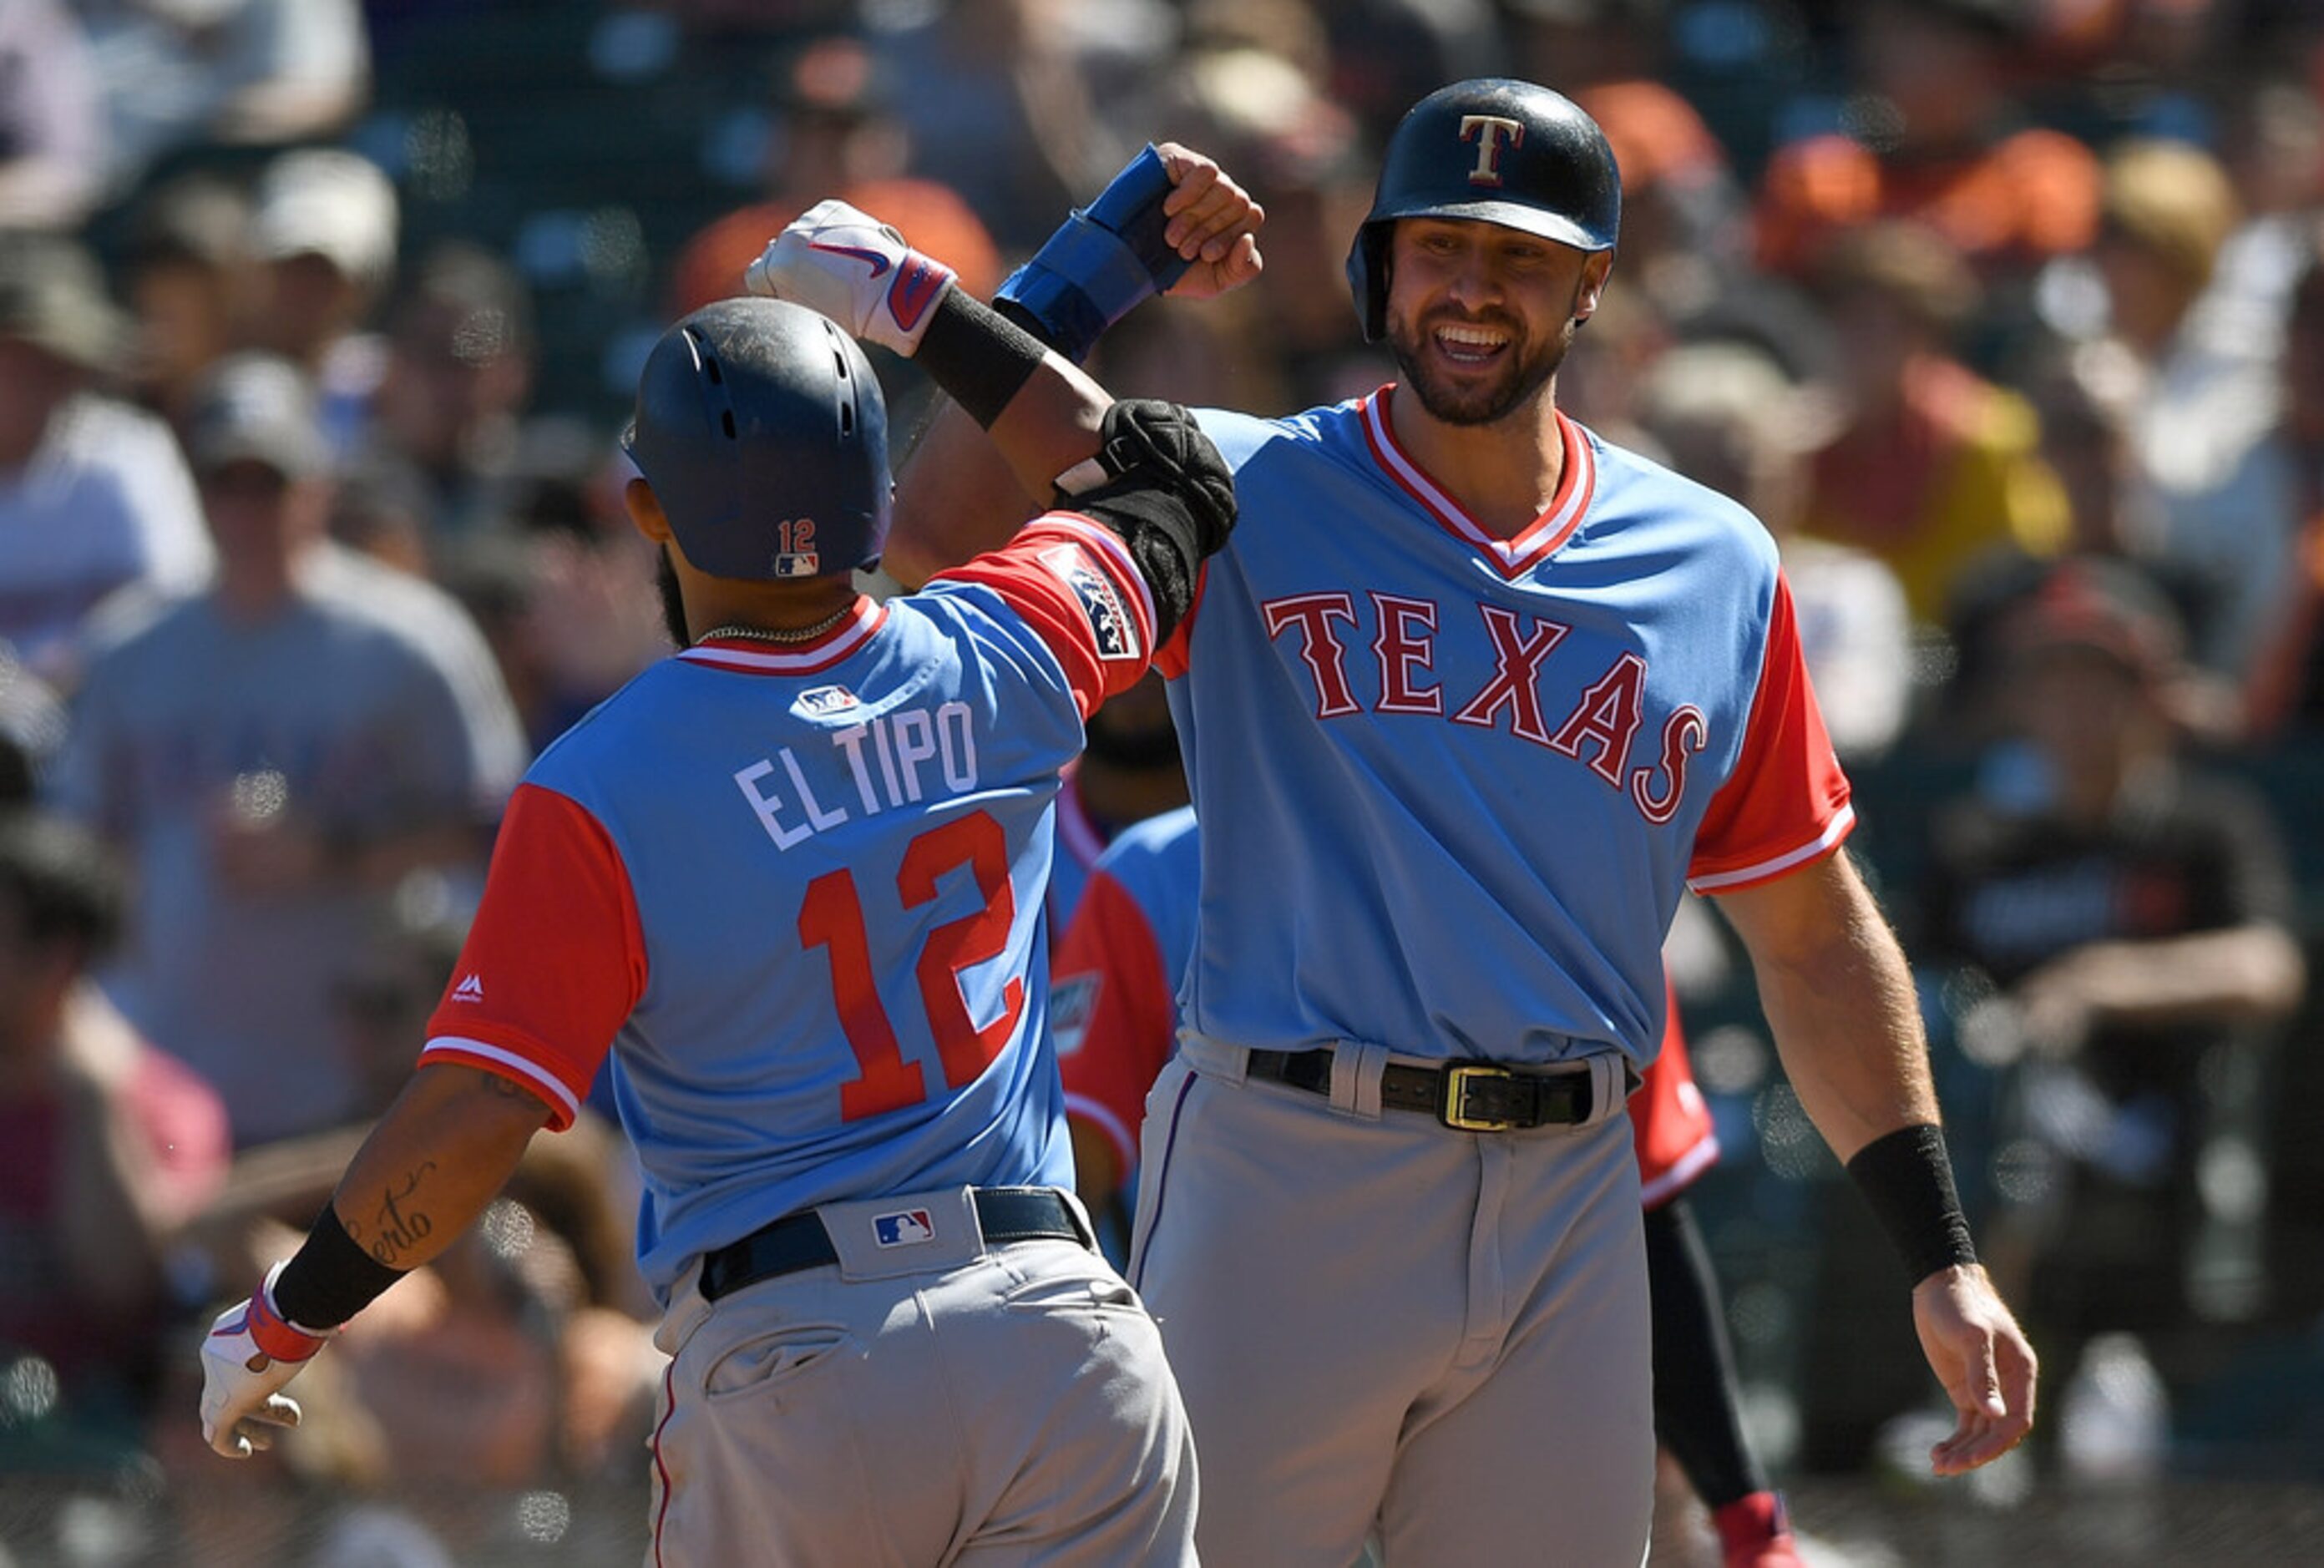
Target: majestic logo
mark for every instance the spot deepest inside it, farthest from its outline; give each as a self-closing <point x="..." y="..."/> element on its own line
<point x="1109" y="617"/>
<point x="1072" y="1002"/>
<point x="826" y="700"/>
<point x="1491" y="132"/>
<point x="904" y="1228"/>
<point x="470" y="988"/>
<point x="917" y="282"/>
<point x="872" y="259"/>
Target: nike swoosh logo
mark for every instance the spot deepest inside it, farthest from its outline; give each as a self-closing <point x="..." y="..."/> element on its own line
<point x="872" y="259"/>
<point x="915" y="286"/>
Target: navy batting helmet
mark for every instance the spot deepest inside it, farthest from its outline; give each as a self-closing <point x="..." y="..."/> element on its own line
<point x="762" y="431"/>
<point x="1497" y="151"/>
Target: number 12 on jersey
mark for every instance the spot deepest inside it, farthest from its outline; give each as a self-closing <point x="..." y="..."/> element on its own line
<point x="832" y="918"/>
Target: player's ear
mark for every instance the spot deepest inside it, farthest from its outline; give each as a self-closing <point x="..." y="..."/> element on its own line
<point x="1595" y="269"/>
<point x="645" y="511"/>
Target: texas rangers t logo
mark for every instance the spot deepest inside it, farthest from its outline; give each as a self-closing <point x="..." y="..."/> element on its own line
<point x="1491" y="132"/>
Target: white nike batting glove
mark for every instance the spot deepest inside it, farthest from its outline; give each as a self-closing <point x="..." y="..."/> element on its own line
<point x="250" y="1353"/>
<point x="847" y="264"/>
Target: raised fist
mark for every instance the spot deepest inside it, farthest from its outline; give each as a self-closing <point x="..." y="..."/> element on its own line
<point x="848" y="266"/>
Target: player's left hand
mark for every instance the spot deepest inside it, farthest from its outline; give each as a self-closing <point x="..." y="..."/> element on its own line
<point x="250" y="1353"/>
<point x="1211" y="222"/>
<point x="1980" y="1356"/>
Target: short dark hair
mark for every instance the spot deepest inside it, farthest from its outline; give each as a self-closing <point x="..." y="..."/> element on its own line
<point x="65" y="884"/>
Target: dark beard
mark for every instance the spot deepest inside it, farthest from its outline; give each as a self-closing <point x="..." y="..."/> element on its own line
<point x="673" y="604"/>
<point x="1470" y="404"/>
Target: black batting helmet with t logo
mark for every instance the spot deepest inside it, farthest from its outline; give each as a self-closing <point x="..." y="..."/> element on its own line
<point x="1496" y="150"/>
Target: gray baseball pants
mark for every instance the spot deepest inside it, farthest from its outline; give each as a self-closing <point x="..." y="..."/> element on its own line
<point x="1385" y="1328"/>
<point x="995" y="1408"/>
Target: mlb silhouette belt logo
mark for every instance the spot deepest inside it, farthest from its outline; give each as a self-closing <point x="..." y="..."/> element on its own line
<point x="904" y="1228"/>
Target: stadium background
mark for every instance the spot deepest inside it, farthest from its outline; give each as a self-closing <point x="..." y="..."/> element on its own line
<point x="589" y="146"/>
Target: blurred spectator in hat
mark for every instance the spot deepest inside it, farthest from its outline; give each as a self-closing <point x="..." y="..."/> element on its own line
<point x="2132" y="912"/>
<point x="833" y="121"/>
<point x="829" y="126"/>
<point x="460" y="355"/>
<point x="51" y="129"/>
<point x="108" y="1145"/>
<point x="2086" y="398"/>
<point x="2211" y="505"/>
<point x="1685" y="231"/>
<point x="93" y="493"/>
<point x="192" y="284"/>
<point x="260" y="73"/>
<point x="278" y="754"/>
<point x="325" y="230"/>
<point x="1941" y="145"/>
<point x="834" y="133"/>
<point x="1725" y="415"/>
<point x="1933" y="465"/>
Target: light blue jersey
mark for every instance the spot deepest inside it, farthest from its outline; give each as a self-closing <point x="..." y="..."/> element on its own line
<point x="1451" y="786"/>
<point x="797" y="891"/>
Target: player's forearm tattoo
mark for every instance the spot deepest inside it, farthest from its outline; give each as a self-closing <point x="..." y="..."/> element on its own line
<point x="400" y="1225"/>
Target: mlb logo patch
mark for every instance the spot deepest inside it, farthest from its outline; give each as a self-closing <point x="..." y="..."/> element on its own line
<point x="826" y="700"/>
<point x="798" y="564"/>
<point x="904" y="1228"/>
<point x="1109" y="619"/>
<point x="1071" y="1004"/>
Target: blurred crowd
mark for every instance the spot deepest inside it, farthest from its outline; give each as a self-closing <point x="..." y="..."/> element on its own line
<point x="315" y="318"/>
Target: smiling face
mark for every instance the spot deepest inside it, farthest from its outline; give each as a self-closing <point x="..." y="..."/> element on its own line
<point x="1480" y="317"/>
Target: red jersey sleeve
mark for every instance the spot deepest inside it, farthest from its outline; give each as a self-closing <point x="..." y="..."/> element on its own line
<point x="1074" y="584"/>
<point x="1116" y="1013"/>
<point x="1787" y="801"/>
<point x="555" y="960"/>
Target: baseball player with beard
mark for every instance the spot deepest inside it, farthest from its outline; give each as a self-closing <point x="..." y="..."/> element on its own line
<point x="1114" y="1014"/>
<point x="1469" y="701"/>
<point x="791" y="879"/>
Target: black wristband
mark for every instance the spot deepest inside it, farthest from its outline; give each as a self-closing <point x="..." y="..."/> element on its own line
<point x="1016" y="315"/>
<point x="1907" y="1178"/>
<point x="981" y="359"/>
<point x="331" y="1278"/>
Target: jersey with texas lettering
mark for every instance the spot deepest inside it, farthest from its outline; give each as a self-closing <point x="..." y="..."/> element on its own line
<point x="1452" y="786"/>
<point x="1114" y="1010"/>
<point x="796" y="892"/>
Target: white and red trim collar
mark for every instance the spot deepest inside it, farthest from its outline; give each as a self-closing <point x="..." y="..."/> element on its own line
<point x="749" y="655"/>
<point x="1533" y="543"/>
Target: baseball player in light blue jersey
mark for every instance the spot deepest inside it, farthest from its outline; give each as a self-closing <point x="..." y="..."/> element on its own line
<point x="1469" y="700"/>
<point x="791" y="879"/>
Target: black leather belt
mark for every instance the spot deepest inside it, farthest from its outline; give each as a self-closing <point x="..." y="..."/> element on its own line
<point x="798" y="1241"/>
<point x="1468" y="1096"/>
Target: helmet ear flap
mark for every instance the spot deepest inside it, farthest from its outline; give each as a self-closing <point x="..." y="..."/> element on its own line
<point x="1368" y="266"/>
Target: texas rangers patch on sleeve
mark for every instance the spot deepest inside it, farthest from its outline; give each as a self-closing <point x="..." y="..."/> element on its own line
<point x="1114" y="623"/>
